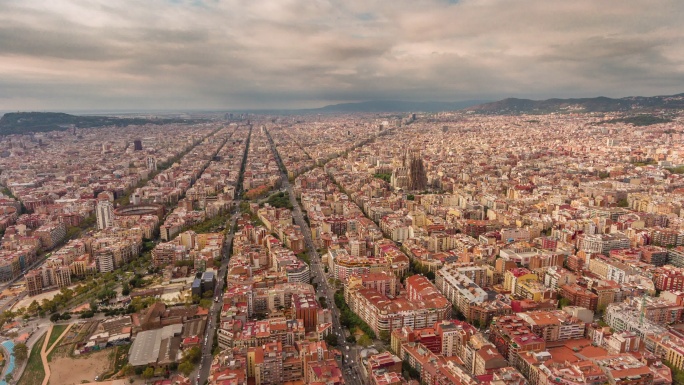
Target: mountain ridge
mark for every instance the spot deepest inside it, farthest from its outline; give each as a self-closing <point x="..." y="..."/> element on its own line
<point x="24" y="122"/>
<point x="595" y="104"/>
<point x="374" y="106"/>
<point x="397" y="106"/>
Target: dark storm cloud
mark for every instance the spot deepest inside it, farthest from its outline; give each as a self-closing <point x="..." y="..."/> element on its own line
<point x="67" y="54"/>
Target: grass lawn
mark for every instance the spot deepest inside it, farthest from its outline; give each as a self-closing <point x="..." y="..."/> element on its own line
<point x="65" y="345"/>
<point x="34" y="372"/>
<point x="57" y="331"/>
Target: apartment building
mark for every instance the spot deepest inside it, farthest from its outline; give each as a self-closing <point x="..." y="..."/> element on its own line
<point x="623" y="317"/>
<point x="165" y="254"/>
<point x="511" y="335"/>
<point x="554" y="325"/>
<point x="47" y="277"/>
<point x="421" y="306"/>
<point x="460" y="290"/>
<point x="384" y="282"/>
<point x="579" y="296"/>
<point x="602" y="243"/>
<point x="669" y="278"/>
<point x="624" y="369"/>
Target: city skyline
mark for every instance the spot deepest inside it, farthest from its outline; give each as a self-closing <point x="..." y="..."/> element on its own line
<point x="347" y="249"/>
<point x="162" y="55"/>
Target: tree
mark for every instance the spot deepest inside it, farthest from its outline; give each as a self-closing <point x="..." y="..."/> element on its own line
<point x="21" y="352"/>
<point x="365" y="341"/>
<point x="679" y="377"/>
<point x="186" y="367"/>
<point x="137" y="281"/>
<point x="160" y="371"/>
<point x="384" y="176"/>
<point x="205" y="303"/>
<point x="384" y="336"/>
<point x="331" y="339"/>
<point x="351" y="339"/>
<point x="49" y="306"/>
<point x="409" y="371"/>
<point x="54" y="317"/>
<point x="87" y="314"/>
<point x="563" y="302"/>
<point x="148" y="373"/>
<point x="602" y="309"/>
<point x="125" y="289"/>
<point x="192" y="355"/>
<point x="127" y="370"/>
<point x="33" y="308"/>
<point x="68" y="293"/>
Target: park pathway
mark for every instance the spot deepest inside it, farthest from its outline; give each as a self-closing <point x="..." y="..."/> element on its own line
<point x="44" y="352"/>
<point x="43" y="356"/>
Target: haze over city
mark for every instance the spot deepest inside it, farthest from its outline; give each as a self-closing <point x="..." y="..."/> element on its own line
<point x="165" y="55"/>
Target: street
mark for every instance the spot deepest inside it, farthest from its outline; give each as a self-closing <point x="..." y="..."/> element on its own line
<point x="351" y="368"/>
<point x="202" y="372"/>
<point x="350" y="364"/>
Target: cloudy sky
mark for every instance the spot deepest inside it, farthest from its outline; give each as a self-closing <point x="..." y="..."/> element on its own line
<point x="194" y="54"/>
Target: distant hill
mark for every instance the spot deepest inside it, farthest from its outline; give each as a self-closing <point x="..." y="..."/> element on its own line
<point x="25" y="122"/>
<point x="597" y="104"/>
<point x="394" y="106"/>
<point x="379" y="106"/>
